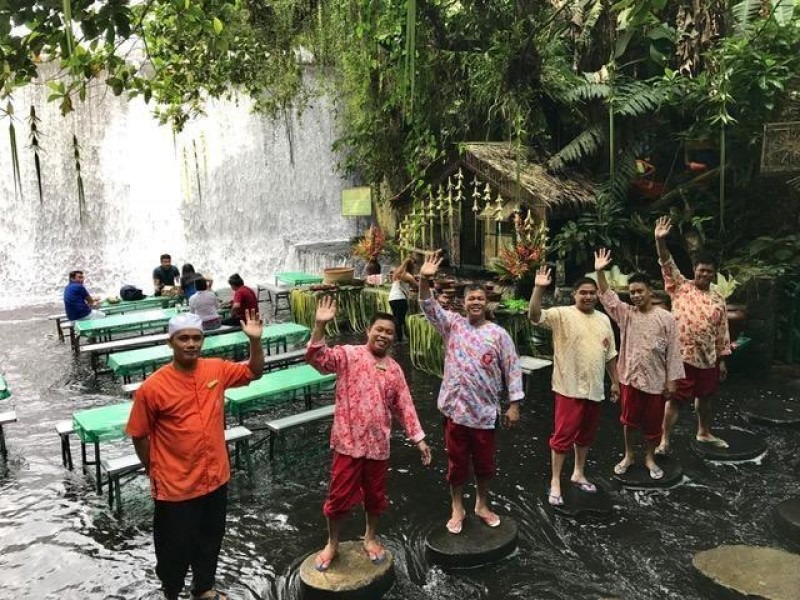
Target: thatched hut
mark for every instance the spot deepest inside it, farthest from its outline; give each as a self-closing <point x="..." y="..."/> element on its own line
<point x="496" y="181"/>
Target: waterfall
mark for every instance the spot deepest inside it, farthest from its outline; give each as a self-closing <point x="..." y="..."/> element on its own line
<point x="233" y="192"/>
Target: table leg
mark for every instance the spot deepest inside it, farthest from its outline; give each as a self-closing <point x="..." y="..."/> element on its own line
<point x="98" y="472"/>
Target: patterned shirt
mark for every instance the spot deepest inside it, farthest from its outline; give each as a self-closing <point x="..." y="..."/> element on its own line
<point x="702" y="319"/>
<point x="649" y="353"/>
<point x="478" y="361"/>
<point x="582" y="345"/>
<point x="369" y="390"/>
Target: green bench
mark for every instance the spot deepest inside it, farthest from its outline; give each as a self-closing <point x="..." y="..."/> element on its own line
<point x="4" y="391"/>
<point x="145" y="360"/>
<point x="128" y="466"/>
<point x="278" y="426"/>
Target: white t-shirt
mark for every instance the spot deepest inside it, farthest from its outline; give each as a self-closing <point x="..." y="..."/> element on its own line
<point x="399" y="291"/>
<point x="204" y="304"/>
<point x="582" y="345"/>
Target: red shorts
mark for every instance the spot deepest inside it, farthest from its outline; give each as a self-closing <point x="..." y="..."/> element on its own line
<point x="577" y="420"/>
<point x="463" y="442"/>
<point x="698" y="383"/>
<point x="643" y="411"/>
<point x="353" y="481"/>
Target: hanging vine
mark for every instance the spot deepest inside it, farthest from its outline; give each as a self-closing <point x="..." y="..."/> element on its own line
<point x="76" y="153"/>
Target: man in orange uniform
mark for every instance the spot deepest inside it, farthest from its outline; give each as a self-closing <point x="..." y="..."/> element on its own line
<point x="177" y="425"/>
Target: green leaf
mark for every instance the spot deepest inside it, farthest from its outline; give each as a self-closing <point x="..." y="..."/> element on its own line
<point x="217" y="26"/>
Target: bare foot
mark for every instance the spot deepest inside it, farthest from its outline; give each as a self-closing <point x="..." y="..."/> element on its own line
<point x="325" y="558"/>
<point x="622" y="466"/>
<point x="487" y="516"/>
<point x="456" y="522"/>
<point x="662" y="449"/>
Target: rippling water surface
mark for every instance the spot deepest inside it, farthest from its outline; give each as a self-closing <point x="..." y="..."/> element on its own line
<point x="58" y="539"/>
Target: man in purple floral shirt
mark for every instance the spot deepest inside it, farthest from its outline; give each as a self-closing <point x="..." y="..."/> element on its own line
<point x="479" y="359"/>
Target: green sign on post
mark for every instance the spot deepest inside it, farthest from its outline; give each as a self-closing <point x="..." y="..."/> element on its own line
<point x="357" y="202"/>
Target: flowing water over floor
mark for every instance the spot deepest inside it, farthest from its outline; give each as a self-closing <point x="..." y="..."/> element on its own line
<point x="58" y="539"/>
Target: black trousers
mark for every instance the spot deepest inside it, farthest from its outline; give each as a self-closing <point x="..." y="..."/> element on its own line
<point x="189" y="533"/>
<point x="399" y="310"/>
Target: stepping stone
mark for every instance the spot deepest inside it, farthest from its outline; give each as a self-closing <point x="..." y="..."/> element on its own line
<point x="751" y="571"/>
<point x="477" y="544"/>
<point x="742" y="445"/>
<point x="774" y="410"/>
<point x="637" y="476"/>
<point x="787" y="519"/>
<point x="351" y="575"/>
<point x="578" y="503"/>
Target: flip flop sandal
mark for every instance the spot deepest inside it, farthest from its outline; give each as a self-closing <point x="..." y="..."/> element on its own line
<point x="554" y="499"/>
<point x="491" y="520"/>
<point x="455" y="526"/>
<point x="322" y="565"/>
<point x="656" y="473"/>
<point x="662" y="451"/>
<point x="587" y="487"/>
<point x="376" y="558"/>
<point x="715" y="442"/>
<point x="621" y="468"/>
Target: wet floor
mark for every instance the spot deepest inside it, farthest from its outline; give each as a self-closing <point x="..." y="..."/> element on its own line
<point x="59" y="540"/>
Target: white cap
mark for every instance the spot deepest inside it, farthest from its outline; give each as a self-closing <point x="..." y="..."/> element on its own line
<point x="184" y="321"/>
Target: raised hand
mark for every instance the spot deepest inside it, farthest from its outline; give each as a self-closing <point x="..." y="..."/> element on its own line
<point x="663" y="227"/>
<point x="431" y="264"/>
<point x="252" y="325"/>
<point x="602" y="258"/>
<point x="326" y="309"/>
<point x="543" y="276"/>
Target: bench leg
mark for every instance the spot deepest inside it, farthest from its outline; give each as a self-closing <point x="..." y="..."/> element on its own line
<point x="118" y="496"/>
<point x="73" y="340"/>
<point x="66" y="452"/>
<point x="248" y="459"/>
<point x="59" y="331"/>
<point x="3" y="450"/>
<point x="271" y="445"/>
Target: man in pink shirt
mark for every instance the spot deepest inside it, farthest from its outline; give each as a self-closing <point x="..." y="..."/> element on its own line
<point x="702" y="319"/>
<point x="649" y="364"/>
<point x="370" y="389"/>
<point x="480" y="362"/>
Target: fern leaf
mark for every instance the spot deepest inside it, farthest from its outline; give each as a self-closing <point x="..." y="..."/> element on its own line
<point x="744" y="14"/>
<point x="587" y="143"/>
<point x="589" y="91"/>
<point x="783" y="10"/>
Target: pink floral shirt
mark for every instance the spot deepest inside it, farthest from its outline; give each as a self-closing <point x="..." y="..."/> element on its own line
<point x="478" y="362"/>
<point x="649" y="353"/>
<point x="369" y="390"/>
<point x="702" y="319"/>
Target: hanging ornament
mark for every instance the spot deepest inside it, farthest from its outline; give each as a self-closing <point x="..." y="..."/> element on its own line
<point x="459" y="179"/>
<point x="498" y="208"/>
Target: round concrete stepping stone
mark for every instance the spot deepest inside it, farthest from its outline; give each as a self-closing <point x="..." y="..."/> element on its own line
<point x="774" y="410"/>
<point x="351" y="575"/>
<point x="477" y="544"/>
<point x="787" y="519"/>
<point x="578" y="503"/>
<point x="638" y="476"/>
<point x="742" y="445"/>
<point x="752" y="571"/>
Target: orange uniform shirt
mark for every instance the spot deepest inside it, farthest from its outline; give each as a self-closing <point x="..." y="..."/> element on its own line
<point x="184" y="415"/>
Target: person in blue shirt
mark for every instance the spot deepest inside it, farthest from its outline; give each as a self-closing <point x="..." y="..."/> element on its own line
<point x="78" y="304"/>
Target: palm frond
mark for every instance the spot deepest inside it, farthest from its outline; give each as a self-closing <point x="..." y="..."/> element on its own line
<point x="587" y="143"/>
<point x="637" y="98"/>
<point x="744" y="14"/>
<point x="784" y="11"/>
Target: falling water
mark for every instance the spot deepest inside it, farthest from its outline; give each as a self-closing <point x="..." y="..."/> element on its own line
<point x="233" y="192"/>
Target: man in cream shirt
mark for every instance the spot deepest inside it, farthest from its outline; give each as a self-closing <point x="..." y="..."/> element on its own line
<point x="583" y="348"/>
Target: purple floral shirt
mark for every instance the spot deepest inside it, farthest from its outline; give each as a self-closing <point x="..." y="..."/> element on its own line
<point x="478" y="362"/>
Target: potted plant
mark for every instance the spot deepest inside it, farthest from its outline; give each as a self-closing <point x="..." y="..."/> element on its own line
<point x="369" y="248"/>
<point x="517" y="264"/>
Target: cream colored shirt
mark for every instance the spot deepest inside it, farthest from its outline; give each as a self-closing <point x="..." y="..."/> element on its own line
<point x="582" y="345"/>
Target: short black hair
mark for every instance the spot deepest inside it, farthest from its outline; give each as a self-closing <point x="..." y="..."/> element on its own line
<point x="373" y="268"/>
<point x="474" y="287"/>
<point x="73" y="274"/>
<point x="640" y="278"/>
<point x="382" y="316"/>
<point x="704" y="258"/>
<point x="201" y="283"/>
<point x="167" y="256"/>
<point x="583" y="281"/>
<point x="235" y="280"/>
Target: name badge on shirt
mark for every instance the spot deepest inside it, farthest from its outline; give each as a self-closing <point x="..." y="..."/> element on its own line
<point x="380" y="366"/>
<point x="212" y="384"/>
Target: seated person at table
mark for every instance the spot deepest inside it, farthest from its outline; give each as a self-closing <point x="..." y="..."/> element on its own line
<point x="370" y="389"/>
<point x="204" y="303"/>
<point x="165" y="274"/>
<point x="177" y="425"/>
<point x="244" y="299"/>
<point x="188" y="279"/>
<point x="78" y="304"/>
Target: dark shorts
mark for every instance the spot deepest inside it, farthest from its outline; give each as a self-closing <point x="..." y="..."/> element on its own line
<point x="698" y="383"/>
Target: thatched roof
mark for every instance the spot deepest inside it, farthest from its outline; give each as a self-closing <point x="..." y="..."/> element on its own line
<point x="497" y="164"/>
<point x="544" y="192"/>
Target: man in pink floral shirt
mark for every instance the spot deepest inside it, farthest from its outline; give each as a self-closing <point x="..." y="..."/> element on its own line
<point x="370" y="389"/>
<point x="702" y="320"/>
<point x="480" y="358"/>
<point x="649" y="365"/>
